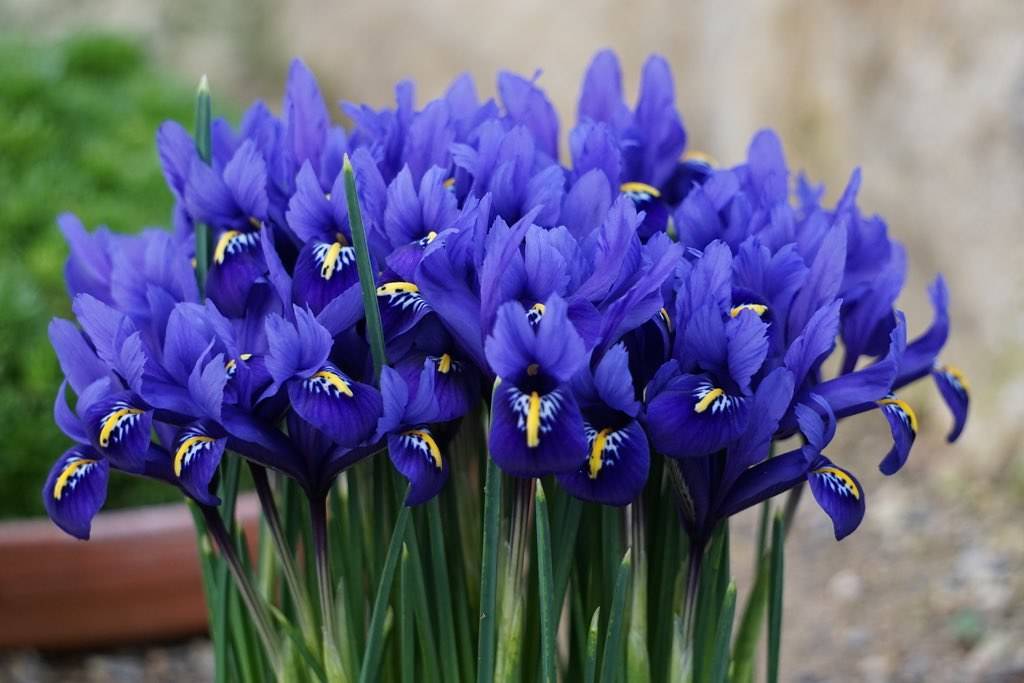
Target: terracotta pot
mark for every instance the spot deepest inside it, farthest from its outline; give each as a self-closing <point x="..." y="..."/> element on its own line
<point x="136" y="579"/>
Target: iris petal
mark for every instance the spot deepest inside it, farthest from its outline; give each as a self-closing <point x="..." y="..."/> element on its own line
<point x="615" y="468"/>
<point x="692" y="417"/>
<point x="237" y="263"/>
<point x="197" y="453"/>
<point x="535" y="434"/>
<point x="839" y="494"/>
<point x="417" y="455"/>
<point x="955" y="392"/>
<point x="120" y="429"/>
<point x="323" y="271"/>
<point x="76" y="489"/>
<point x="344" y="410"/>
<point x="401" y="307"/>
<point x="903" y="424"/>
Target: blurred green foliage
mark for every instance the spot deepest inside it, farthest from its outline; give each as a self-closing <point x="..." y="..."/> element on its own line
<point x="78" y="121"/>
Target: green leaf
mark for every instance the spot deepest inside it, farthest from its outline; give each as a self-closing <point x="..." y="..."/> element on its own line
<point x="374" y="328"/>
<point x="590" y="666"/>
<point x="489" y="573"/>
<point x="775" y="597"/>
<point x="406" y="645"/>
<point x="724" y="634"/>
<point x="374" y="639"/>
<point x="546" y="588"/>
<point x="749" y="633"/>
<point x="299" y="643"/>
<point x="203" y="146"/>
<point x="612" y="656"/>
<point x="443" y="602"/>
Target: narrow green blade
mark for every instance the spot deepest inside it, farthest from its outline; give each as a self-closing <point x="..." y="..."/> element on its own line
<point x="775" y="598"/>
<point x="720" y="667"/>
<point x="611" y="669"/>
<point x="374" y="329"/>
<point x="546" y="586"/>
<point x="445" y="615"/>
<point x="590" y="666"/>
<point x="489" y="573"/>
<point x="203" y="146"/>
<point x="375" y="636"/>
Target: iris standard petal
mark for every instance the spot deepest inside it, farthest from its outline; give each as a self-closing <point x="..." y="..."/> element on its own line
<point x="76" y="489"/>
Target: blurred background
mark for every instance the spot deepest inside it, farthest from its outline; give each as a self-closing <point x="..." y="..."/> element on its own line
<point x="926" y="96"/>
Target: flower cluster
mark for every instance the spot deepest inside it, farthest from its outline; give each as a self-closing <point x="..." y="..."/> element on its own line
<point x="637" y="299"/>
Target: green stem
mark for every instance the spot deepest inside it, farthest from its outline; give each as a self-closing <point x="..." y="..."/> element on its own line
<point x="374" y="328"/>
<point x="318" y="520"/>
<point x="273" y="521"/>
<point x="546" y="584"/>
<point x="489" y="573"/>
<point x="220" y="536"/>
<point x="375" y="636"/>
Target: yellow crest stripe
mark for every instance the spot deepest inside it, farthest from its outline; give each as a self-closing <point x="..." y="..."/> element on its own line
<point x="335" y="381"/>
<point x="397" y="288"/>
<point x="183" y="449"/>
<point x="66" y="474"/>
<point x="905" y="407"/>
<point x="640" y="187"/>
<point x="427" y="438"/>
<point x="222" y="244"/>
<point x="533" y="421"/>
<point x="111" y="422"/>
<point x="595" y="462"/>
<point x="845" y="478"/>
<point x="708" y="399"/>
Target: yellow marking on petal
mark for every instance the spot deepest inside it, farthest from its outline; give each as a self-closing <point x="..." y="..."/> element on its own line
<point x="335" y="381"/>
<point x="905" y="407"/>
<point x="230" y="365"/>
<point x="697" y="155"/>
<point x="435" y="452"/>
<point x="665" y="316"/>
<point x="533" y="421"/>
<point x="532" y="369"/>
<point x="330" y="261"/>
<point x="449" y="183"/>
<point x="595" y="462"/>
<point x="392" y="288"/>
<point x="222" y="245"/>
<point x="708" y="399"/>
<point x="959" y="375"/>
<point x="759" y="309"/>
<point x="183" y="449"/>
<point x="431" y="236"/>
<point x="444" y="364"/>
<point x="642" y="188"/>
<point x="194" y="263"/>
<point x="111" y="422"/>
<point x="66" y="474"/>
<point x="845" y="478"/>
<point x="245" y="356"/>
<point x="255" y="222"/>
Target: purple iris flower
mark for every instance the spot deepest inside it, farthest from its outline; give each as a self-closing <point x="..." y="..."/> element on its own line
<point x="536" y="424"/>
<point x="636" y="300"/>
